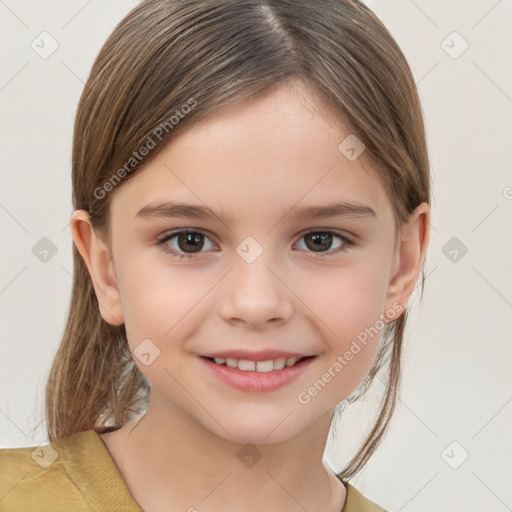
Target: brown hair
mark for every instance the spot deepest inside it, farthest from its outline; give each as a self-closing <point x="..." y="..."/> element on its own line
<point x="166" y="54"/>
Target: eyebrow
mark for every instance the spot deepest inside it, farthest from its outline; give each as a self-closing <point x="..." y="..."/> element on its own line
<point x="172" y="209"/>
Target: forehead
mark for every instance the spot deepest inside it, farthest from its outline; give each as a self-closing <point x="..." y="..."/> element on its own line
<point x="263" y="155"/>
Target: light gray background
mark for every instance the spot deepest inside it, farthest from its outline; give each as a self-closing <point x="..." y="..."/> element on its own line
<point x="456" y="382"/>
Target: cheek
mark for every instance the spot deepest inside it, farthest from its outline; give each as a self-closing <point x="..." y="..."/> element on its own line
<point x="348" y="306"/>
<point x="163" y="304"/>
<point x="152" y="303"/>
<point x="345" y="300"/>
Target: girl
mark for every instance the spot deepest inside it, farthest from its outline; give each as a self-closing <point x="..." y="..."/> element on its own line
<point x="251" y="198"/>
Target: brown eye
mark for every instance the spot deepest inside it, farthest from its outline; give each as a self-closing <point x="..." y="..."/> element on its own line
<point x="318" y="241"/>
<point x="184" y="243"/>
<point x="321" y="241"/>
<point x="187" y="241"/>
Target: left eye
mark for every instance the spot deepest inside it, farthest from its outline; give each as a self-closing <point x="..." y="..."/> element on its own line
<point x="324" y="239"/>
<point x="186" y="239"/>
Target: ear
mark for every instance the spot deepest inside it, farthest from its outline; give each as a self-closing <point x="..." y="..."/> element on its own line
<point x="99" y="262"/>
<point x="408" y="260"/>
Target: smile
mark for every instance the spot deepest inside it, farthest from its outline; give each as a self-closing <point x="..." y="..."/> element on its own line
<point x="256" y="376"/>
<point x="257" y="366"/>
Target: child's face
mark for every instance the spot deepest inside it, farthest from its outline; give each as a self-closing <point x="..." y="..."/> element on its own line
<point x="256" y="164"/>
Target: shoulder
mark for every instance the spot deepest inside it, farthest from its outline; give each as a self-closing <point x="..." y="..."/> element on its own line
<point x="36" y="477"/>
<point x="67" y="474"/>
<point x="357" y="502"/>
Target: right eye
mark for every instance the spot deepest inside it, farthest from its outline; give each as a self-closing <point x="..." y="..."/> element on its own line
<point x="184" y="239"/>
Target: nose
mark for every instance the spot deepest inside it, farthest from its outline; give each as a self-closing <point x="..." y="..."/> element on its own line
<point x="255" y="293"/>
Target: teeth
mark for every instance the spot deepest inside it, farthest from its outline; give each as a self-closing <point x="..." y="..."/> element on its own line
<point x="232" y="363"/>
<point x="247" y="365"/>
<point x="260" y="366"/>
<point x="291" y="361"/>
<point x="280" y="363"/>
<point x="264" y="366"/>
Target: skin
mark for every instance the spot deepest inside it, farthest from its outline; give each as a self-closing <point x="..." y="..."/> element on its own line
<point x="257" y="162"/>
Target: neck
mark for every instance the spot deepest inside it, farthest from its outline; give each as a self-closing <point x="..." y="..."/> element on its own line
<point x="169" y="460"/>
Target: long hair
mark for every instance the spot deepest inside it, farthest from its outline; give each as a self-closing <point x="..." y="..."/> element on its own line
<point x="168" y="58"/>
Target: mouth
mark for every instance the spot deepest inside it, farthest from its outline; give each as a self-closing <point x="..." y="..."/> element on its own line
<point x="257" y="377"/>
<point x="258" y="366"/>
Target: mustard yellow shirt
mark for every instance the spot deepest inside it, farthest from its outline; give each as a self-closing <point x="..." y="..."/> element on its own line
<point x="77" y="474"/>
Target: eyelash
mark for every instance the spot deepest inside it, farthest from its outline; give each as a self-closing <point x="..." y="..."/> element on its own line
<point x="163" y="242"/>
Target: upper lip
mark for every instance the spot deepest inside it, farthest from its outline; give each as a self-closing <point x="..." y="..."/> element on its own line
<point x="262" y="355"/>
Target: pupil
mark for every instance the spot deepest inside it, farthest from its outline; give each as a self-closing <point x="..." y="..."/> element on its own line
<point x="190" y="238"/>
<point x="321" y="239"/>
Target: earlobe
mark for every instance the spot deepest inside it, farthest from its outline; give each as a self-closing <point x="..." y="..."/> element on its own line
<point x="98" y="260"/>
<point x="409" y="257"/>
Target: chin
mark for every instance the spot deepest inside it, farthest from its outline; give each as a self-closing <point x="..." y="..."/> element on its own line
<point x="258" y="429"/>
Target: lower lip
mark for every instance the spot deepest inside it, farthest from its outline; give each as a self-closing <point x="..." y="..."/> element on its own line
<point x="257" y="382"/>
